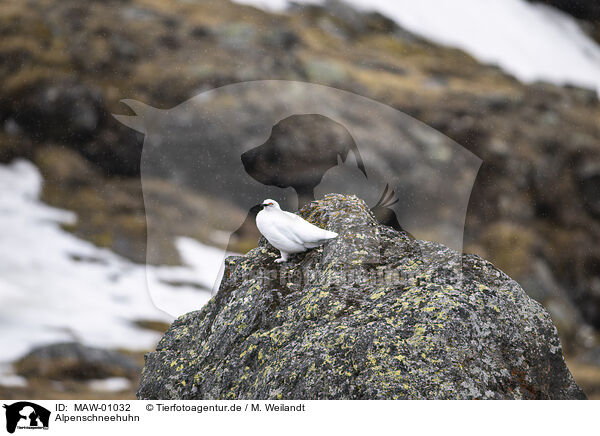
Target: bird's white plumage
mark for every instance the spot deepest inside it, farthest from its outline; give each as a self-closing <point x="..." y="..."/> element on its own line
<point x="288" y="232"/>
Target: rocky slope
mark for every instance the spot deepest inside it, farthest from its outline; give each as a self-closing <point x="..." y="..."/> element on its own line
<point x="372" y="315"/>
<point x="65" y="65"/>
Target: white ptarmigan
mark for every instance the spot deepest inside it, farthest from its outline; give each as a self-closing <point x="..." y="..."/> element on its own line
<point x="288" y="232"/>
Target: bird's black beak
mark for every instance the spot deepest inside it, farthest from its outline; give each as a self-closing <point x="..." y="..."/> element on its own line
<point x="255" y="209"/>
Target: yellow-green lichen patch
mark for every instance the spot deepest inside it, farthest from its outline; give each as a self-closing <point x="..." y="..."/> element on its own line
<point x="377" y="295"/>
<point x="346" y="332"/>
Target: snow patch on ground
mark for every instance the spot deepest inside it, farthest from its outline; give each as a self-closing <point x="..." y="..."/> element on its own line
<point x="111" y="384"/>
<point x="531" y="41"/>
<point x="55" y="287"/>
<point x="8" y="377"/>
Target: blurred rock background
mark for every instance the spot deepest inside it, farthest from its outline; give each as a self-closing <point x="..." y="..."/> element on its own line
<point x="64" y="65"/>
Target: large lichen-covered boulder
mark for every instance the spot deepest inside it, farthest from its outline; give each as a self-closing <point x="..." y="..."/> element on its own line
<point x="373" y="314"/>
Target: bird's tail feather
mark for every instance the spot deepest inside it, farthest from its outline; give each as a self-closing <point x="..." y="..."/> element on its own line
<point x="328" y="236"/>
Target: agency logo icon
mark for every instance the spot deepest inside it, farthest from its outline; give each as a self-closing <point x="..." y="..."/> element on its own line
<point x="26" y="415"/>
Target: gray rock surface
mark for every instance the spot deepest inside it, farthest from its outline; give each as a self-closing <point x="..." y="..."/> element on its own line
<point x="372" y="315"/>
<point x="62" y="111"/>
<point x="74" y="361"/>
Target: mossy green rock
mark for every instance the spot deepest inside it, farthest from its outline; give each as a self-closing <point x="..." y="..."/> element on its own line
<point x="373" y="314"/>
